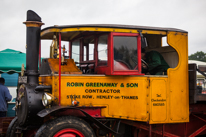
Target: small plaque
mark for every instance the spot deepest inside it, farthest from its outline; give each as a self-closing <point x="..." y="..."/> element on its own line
<point x="23" y="79"/>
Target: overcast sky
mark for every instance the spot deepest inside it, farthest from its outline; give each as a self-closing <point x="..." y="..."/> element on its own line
<point x="189" y="15"/>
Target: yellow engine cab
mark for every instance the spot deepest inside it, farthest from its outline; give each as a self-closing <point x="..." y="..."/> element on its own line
<point x="102" y="68"/>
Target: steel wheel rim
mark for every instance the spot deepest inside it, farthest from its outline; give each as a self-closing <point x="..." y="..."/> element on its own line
<point x="69" y="133"/>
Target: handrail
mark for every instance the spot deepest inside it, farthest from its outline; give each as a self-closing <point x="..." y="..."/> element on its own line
<point x="59" y="69"/>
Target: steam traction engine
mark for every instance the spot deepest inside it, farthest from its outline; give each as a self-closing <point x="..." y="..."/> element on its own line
<point x="99" y="89"/>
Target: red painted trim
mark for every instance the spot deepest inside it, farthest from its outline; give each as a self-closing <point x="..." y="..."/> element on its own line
<point x="111" y="57"/>
<point x="87" y="52"/>
<point x="163" y="130"/>
<point x="197" y="132"/>
<point x="59" y="69"/>
<point x="199" y="117"/>
<point x="185" y="129"/>
<point x="135" y="132"/>
<point x="126" y="73"/>
<point x="147" y="128"/>
<point x="96" y="51"/>
<point x="110" y="53"/>
<point x="39" y="53"/>
<point x="139" y="53"/>
<point x="81" y="56"/>
<point x="150" y="130"/>
<point x="124" y="34"/>
<point x="69" y="132"/>
<point x="92" y="111"/>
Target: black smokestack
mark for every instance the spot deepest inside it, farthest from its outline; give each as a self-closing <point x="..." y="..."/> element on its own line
<point x="33" y="24"/>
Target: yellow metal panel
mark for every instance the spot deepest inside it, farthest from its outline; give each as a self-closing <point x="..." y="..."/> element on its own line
<point x="178" y="79"/>
<point x="99" y="29"/>
<point x="45" y="80"/>
<point x="102" y="30"/>
<point x="50" y="30"/>
<point x="154" y="32"/>
<point x="68" y="68"/>
<point x="123" y="97"/>
<point x="55" y="89"/>
<point x="158" y="100"/>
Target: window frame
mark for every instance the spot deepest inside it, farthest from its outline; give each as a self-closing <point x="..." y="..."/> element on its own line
<point x="111" y="54"/>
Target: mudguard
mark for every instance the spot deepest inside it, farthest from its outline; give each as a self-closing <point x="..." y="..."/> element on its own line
<point x="47" y="111"/>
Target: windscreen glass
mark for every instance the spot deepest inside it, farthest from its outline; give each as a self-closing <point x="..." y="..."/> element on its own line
<point x="125" y="53"/>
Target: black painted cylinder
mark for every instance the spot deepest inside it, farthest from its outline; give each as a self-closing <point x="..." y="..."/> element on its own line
<point x="33" y="24"/>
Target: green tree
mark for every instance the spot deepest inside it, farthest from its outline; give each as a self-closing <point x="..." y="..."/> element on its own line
<point x="199" y="55"/>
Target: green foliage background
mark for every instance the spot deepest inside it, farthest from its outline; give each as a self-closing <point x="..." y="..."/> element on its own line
<point x="199" y="56"/>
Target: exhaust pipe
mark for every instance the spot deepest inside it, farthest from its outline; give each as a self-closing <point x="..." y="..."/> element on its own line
<point x="29" y="102"/>
<point x="33" y="24"/>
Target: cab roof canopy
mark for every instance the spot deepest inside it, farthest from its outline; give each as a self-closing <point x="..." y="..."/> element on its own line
<point x="70" y="32"/>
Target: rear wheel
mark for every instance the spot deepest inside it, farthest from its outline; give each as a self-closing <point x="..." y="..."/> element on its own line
<point x="66" y="126"/>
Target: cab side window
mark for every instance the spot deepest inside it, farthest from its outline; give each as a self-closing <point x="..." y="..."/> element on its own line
<point x="125" y="51"/>
<point x="102" y="50"/>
